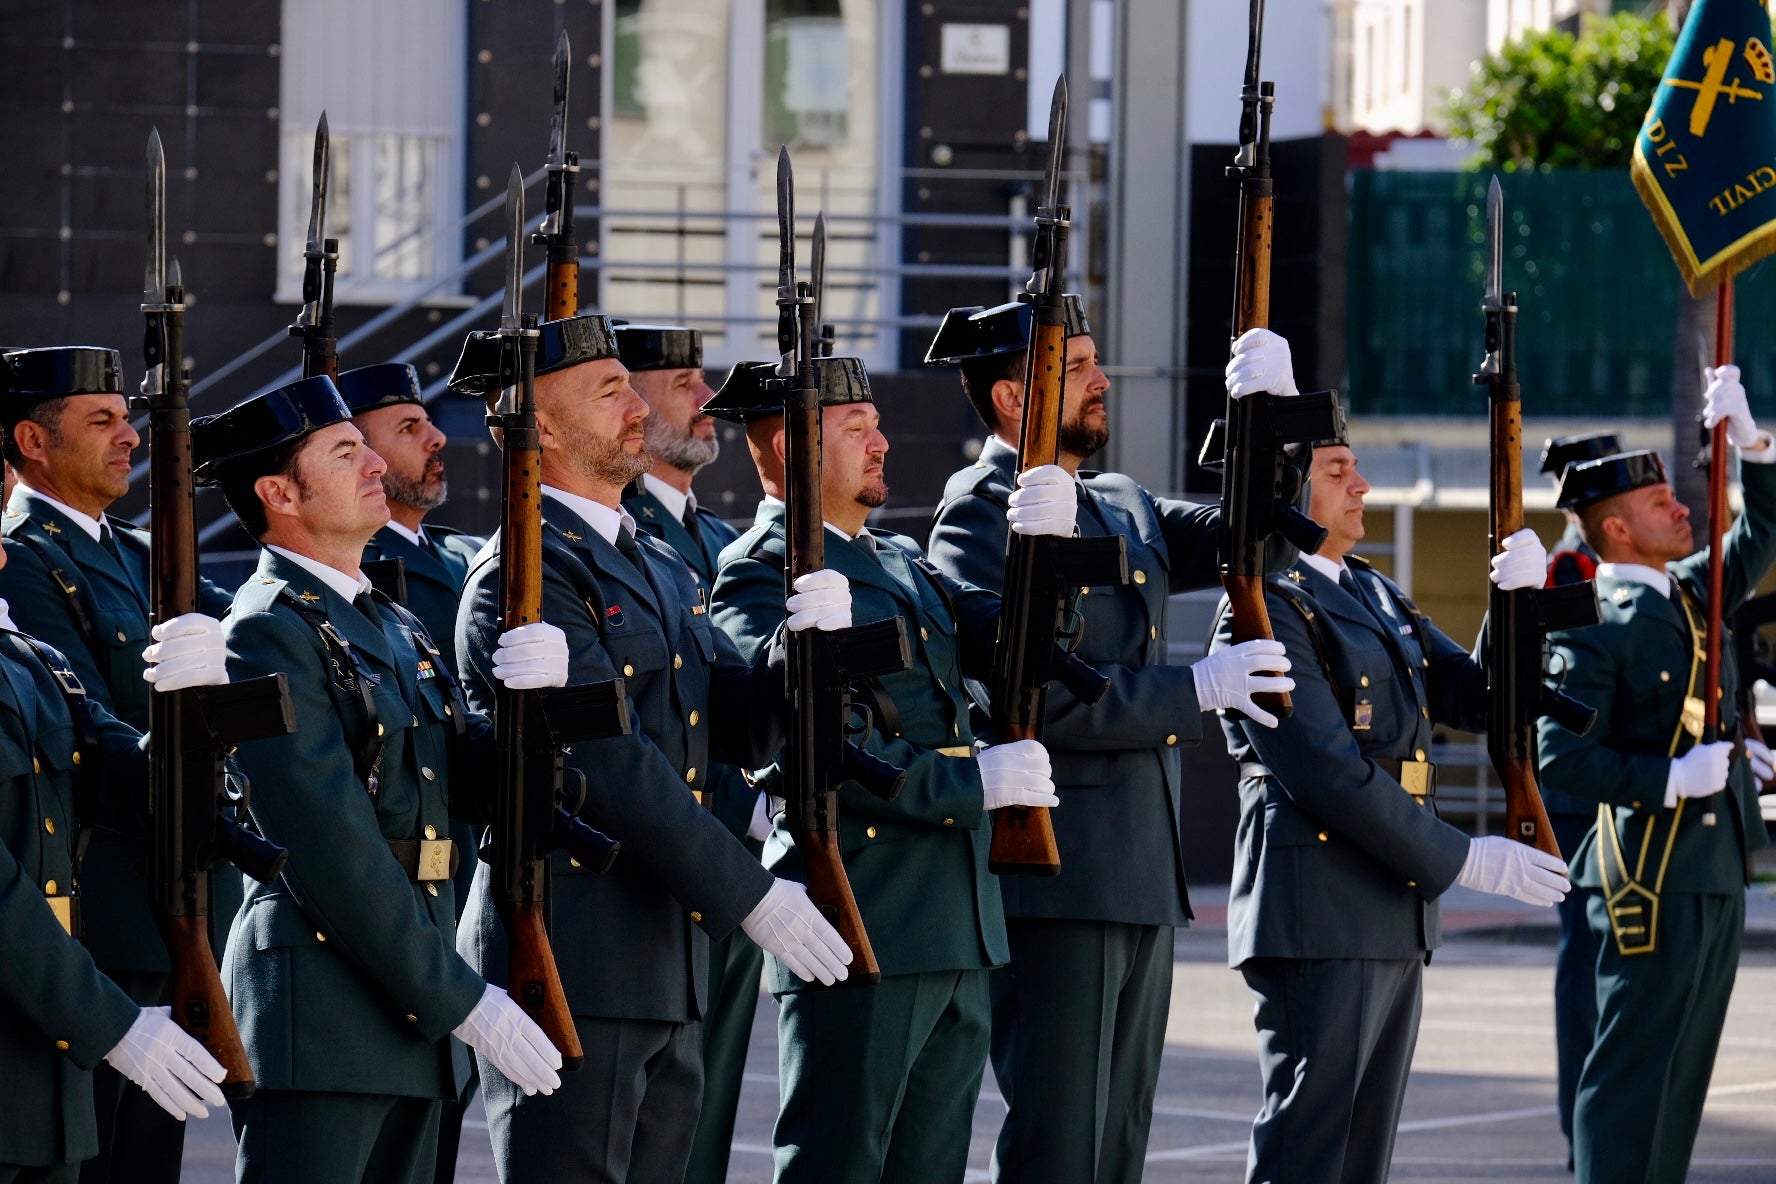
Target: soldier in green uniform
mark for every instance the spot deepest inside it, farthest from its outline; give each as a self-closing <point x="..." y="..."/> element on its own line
<point x="1665" y="891"/>
<point x="633" y="944"/>
<point x="79" y="581"/>
<point x="1079" y="1016"/>
<point x="434" y="561"/>
<point x="59" y="1015"/>
<point x="1340" y="857"/>
<point x="665" y="364"/>
<point x="879" y="1084"/>
<point x="343" y="972"/>
<point x="1575" y="958"/>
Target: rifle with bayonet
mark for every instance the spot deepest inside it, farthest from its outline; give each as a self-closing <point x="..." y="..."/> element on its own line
<point x="1259" y="485"/>
<point x="562" y="298"/>
<point x="1043" y="573"/>
<point x="1519" y="621"/>
<point x="196" y="820"/>
<point x="531" y="817"/>
<point x="826" y="340"/>
<point x="320" y="263"/>
<point x="823" y="665"/>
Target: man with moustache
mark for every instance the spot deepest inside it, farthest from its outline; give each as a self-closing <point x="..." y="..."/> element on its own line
<point x="385" y="404"/>
<point x="1079" y="1016"/>
<point x="1340" y="856"/>
<point x="79" y="581"/>
<point x="880" y="1084"/>
<point x="633" y="955"/>
<point x="343" y="972"/>
<point x="665" y="364"/>
<point x="1669" y="925"/>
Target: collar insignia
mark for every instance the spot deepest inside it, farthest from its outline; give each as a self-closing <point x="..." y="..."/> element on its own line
<point x="1296" y="575"/>
<point x="647" y="511"/>
<point x="570" y="536"/>
<point x="307" y="597"/>
<point x="51" y="528"/>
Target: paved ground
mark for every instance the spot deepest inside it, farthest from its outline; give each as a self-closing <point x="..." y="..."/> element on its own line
<point x="1481" y="1102"/>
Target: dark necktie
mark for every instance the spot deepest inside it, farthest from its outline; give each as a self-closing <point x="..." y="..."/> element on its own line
<point x="365" y="603"/>
<point x="108" y="541"/>
<point x="1349" y="583"/>
<point x="630" y="549"/>
<point x="695" y="529"/>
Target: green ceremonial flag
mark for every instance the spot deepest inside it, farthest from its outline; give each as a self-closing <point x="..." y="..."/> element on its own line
<point x="1705" y="160"/>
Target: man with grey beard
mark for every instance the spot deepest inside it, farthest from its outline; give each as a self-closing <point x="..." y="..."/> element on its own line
<point x="666" y="368"/>
<point x="385" y="405"/>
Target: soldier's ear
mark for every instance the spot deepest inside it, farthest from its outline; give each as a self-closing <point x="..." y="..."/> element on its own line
<point x="1008" y="401"/>
<point x="278" y="493"/>
<point x="32" y="440"/>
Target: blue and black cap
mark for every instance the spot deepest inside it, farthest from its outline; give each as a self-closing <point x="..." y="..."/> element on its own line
<point x="1593" y="480"/>
<point x="560" y="345"/>
<point x="748" y="394"/>
<point x="229" y="441"/>
<point x="977" y="332"/>
<point x="1561" y="451"/>
<point x="31" y="376"/>
<point x="659" y="347"/>
<point x="385" y="384"/>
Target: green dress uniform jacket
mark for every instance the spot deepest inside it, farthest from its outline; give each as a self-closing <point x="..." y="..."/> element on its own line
<point x="343" y="972"/>
<point x="632" y="945"/>
<point x="1337" y="868"/>
<point x="435" y="576"/>
<point x="1079" y="1017"/>
<point x="112" y="594"/>
<point x="58" y="1015"/>
<point x="1660" y="1012"/>
<point x="879" y="1083"/>
<point x="702" y="552"/>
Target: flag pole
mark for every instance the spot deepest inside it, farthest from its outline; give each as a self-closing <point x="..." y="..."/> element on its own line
<point x="1717" y="522"/>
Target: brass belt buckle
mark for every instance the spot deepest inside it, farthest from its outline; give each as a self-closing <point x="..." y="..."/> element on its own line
<point x="63" y="908"/>
<point x="434" y="859"/>
<point x="701" y="796"/>
<point x="1415" y="778"/>
<point x="957" y="750"/>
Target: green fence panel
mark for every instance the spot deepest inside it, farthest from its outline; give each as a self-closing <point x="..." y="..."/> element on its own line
<point x="1596" y="287"/>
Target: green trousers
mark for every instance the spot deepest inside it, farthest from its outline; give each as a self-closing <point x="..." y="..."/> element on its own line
<point x="735" y="964"/>
<point x="1659" y="1020"/>
<point x="1079" y="1021"/>
<point x="297" y="1137"/>
<point x="879" y="1083"/>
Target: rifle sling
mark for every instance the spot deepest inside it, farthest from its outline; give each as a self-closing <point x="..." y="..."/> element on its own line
<point x="72" y="598"/>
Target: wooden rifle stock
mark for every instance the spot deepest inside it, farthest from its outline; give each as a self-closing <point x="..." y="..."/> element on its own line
<point x="564" y="282"/>
<point x="199" y="1004"/>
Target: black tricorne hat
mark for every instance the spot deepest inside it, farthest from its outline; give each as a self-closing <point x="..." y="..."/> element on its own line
<point x="977" y="332"/>
<point x="1561" y="451"/>
<point x="1593" y="480"/>
<point x="659" y="347"/>
<point x="383" y="385"/>
<point x="745" y="396"/>
<point x="30" y="376"/>
<point x="256" y="426"/>
<point x="561" y="344"/>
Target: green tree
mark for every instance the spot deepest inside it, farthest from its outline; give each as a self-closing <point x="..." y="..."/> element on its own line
<point x="1555" y="101"/>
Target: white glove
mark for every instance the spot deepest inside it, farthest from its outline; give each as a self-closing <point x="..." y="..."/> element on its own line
<point x="1522" y="564"/>
<point x="1698" y="773"/>
<point x="531" y="656"/>
<point x="1763" y="762"/>
<point x="1231" y="677"/>
<point x="188" y="651"/>
<point x="822" y="600"/>
<point x="498" y="1028"/>
<point x="1725" y="399"/>
<point x="1505" y="867"/>
<point x="786" y="925"/>
<point x="177" y="1071"/>
<point x="1046" y="501"/>
<point x="759" y="829"/>
<point x="1016" y="774"/>
<point x="1260" y="362"/>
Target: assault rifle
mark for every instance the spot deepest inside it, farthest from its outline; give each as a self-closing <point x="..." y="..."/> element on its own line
<point x="314" y="324"/>
<point x="557" y="230"/>
<point x="196" y="820"/>
<point x="530" y="819"/>
<point x="1259" y="487"/>
<point x="1518" y="622"/>
<point x="1043" y="574"/>
<point x="823" y="664"/>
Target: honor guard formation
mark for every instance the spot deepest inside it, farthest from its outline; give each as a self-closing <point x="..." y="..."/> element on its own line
<point x="412" y="814"/>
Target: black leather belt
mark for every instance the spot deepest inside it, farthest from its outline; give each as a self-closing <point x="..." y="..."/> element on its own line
<point x="426" y="860"/>
<point x="1418" y="778"/>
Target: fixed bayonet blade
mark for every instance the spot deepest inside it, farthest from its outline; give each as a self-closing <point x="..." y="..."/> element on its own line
<point x="509" y="316"/>
<point x="154" y="278"/>
<point x="175" y="277"/>
<point x="1495" y="245"/>
<point x="317" y="206"/>
<point x="558" y="121"/>
<point x="1057" y="140"/>
<point x="817" y="265"/>
<point x="786" y="283"/>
